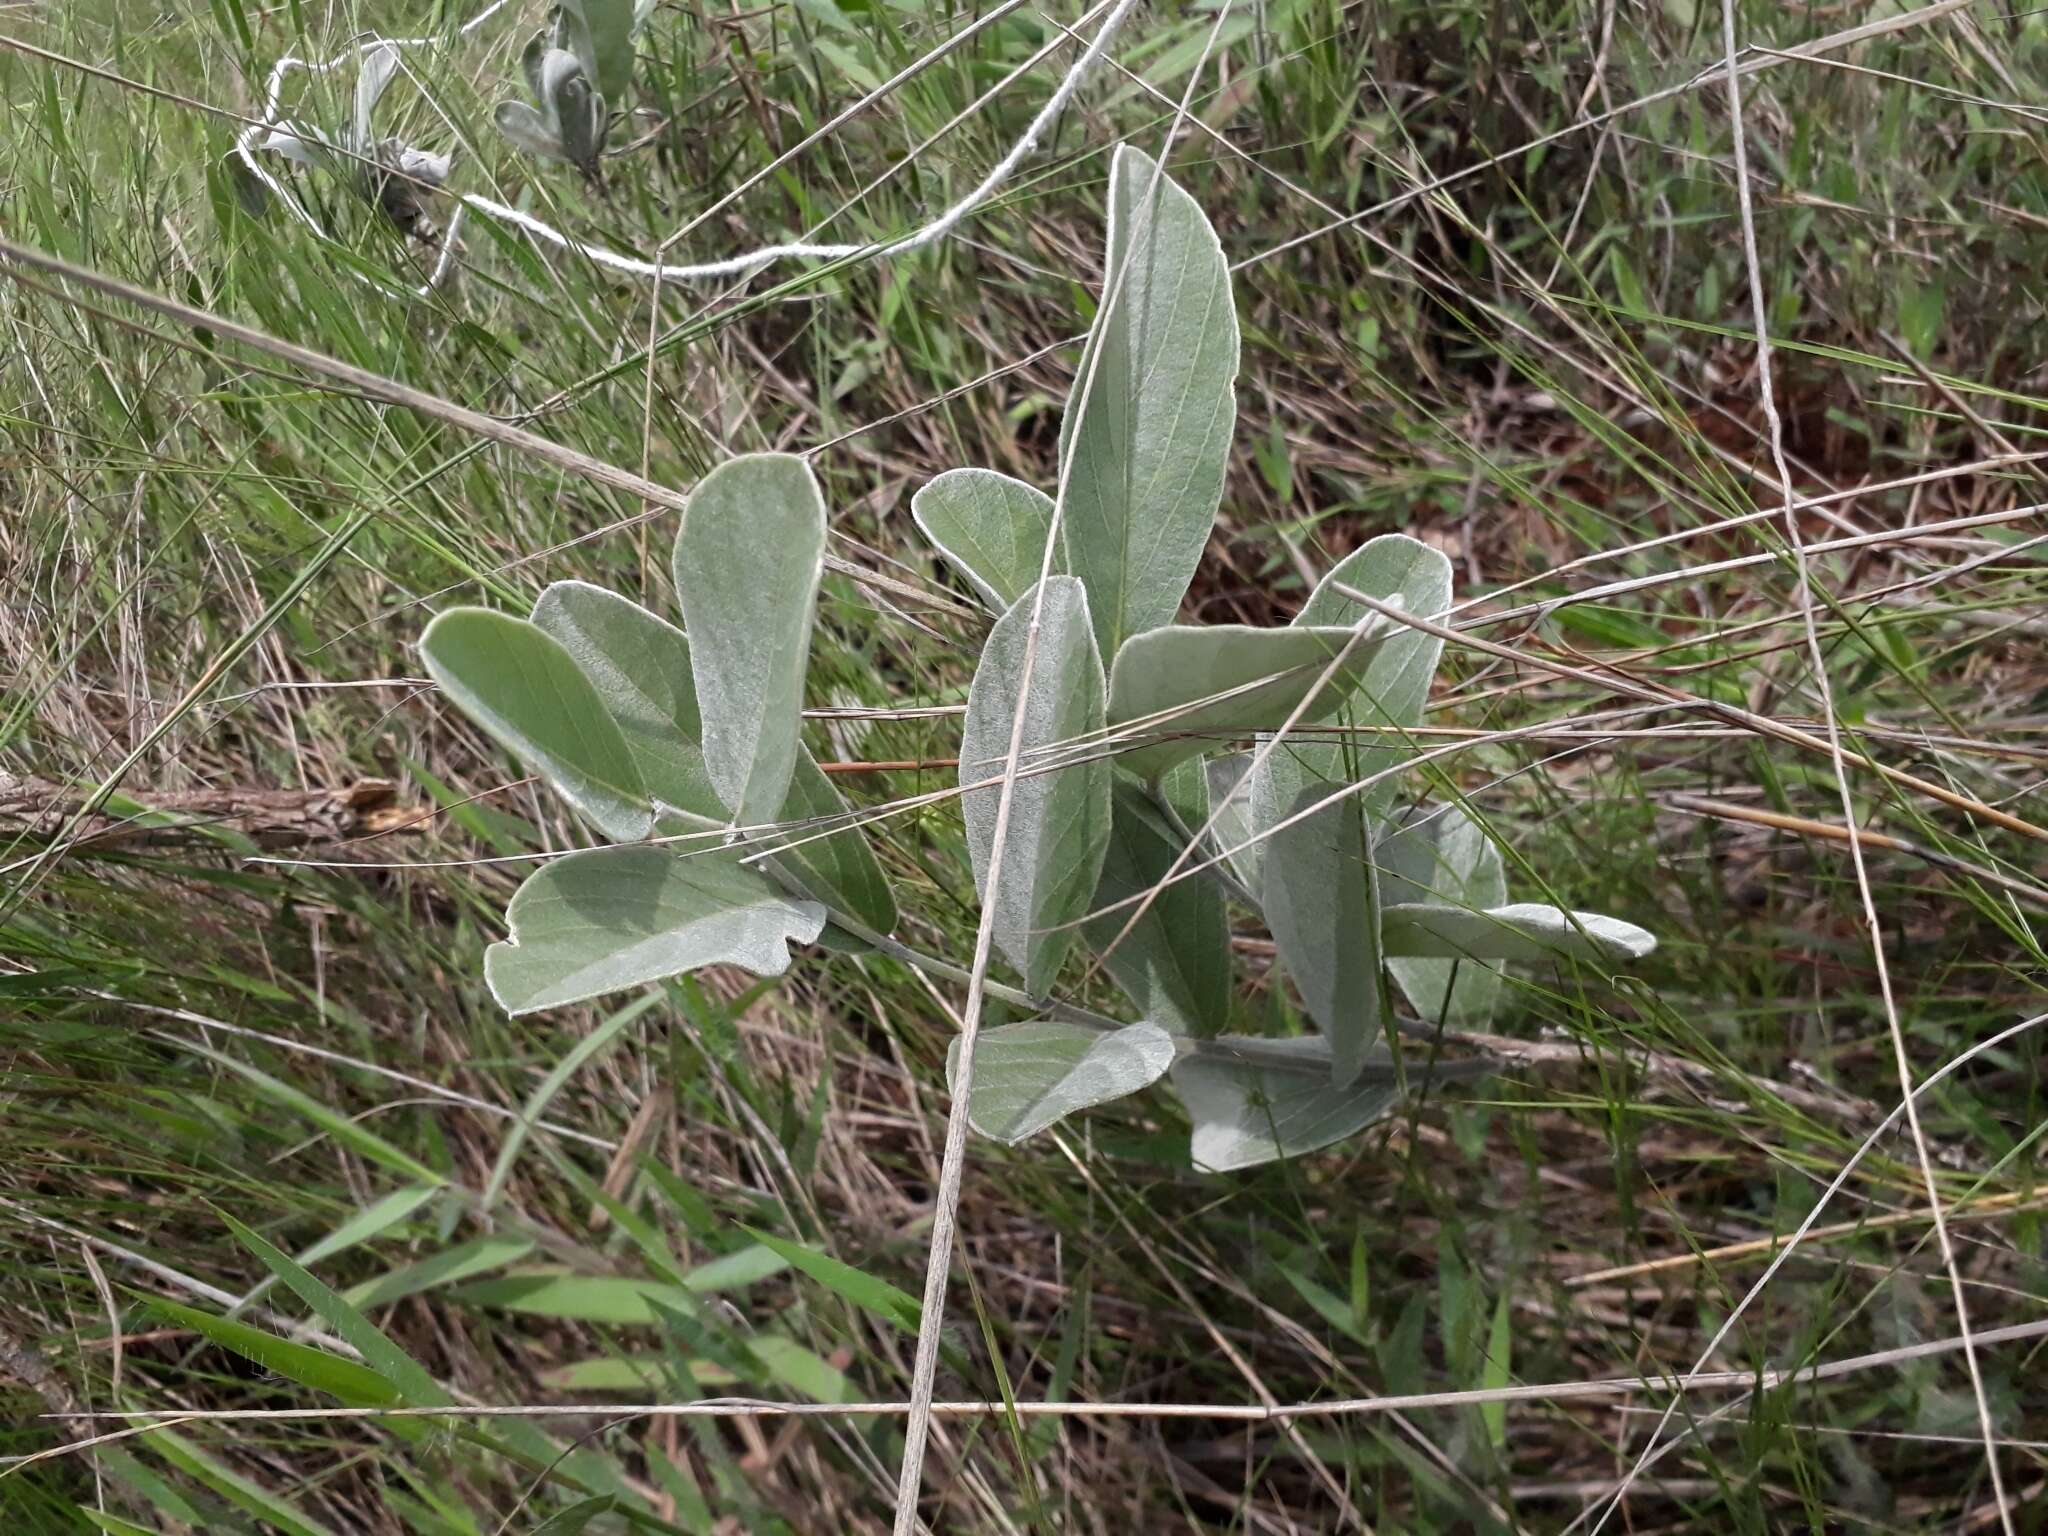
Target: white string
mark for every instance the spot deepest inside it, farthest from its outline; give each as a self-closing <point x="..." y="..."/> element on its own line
<point x="632" y="266"/>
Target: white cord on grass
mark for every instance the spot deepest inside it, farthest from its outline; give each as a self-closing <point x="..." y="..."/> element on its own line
<point x="633" y="266"/>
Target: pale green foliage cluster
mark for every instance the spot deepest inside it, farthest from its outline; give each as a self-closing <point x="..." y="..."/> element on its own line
<point x="1135" y="817"/>
<point x="354" y="155"/>
<point x="578" y="69"/>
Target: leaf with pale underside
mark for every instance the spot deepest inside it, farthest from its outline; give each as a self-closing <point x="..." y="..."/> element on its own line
<point x="1321" y="903"/>
<point x="1194" y="686"/>
<point x="528" y="694"/>
<point x="1144" y="449"/>
<point x="1028" y="1076"/>
<point x="1059" y="822"/>
<point x="640" y="665"/>
<point x="1256" y="1101"/>
<point x="1231" y="832"/>
<point x="1389" y="696"/>
<point x="1436" y="854"/>
<point x="747" y="565"/>
<point x="1174" y="964"/>
<point x="617" y="918"/>
<point x="991" y="527"/>
<point x="1519" y="931"/>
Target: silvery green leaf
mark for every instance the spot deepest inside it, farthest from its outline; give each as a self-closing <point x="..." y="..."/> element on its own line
<point x="1392" y="692"/>
<point x="1148" y="442"/>
<point x="304" y="146"/>
<point x="528" y="130"/>
<point x="531" y="59"/>
<point x="1027" y="1076"/>
<point x="747" y="565"/>
<point x="1059" y="823"/>
<point x="1519" y="931"/>
<point x="423" y="166"/>
<point x="601" y="33"/>
<point x="373" y="78"/>
<point x="826" y="856"/>
<point x="616" y="918"/>
<point x="1322" y="905"/>
<point x="640" y="665"/>
<point x="529" y="695"/>
<point x="1256" y="1101"/>
<point x="991" y="527"/>
<point x="1230" y="806"/>
<point x="1174" y="964"/>
<point x="1190" y="686"/>
<point x="1437" y="854"/>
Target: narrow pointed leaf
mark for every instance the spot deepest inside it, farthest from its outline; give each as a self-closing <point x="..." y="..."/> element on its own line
<point x="1392" y="691"/>
<point x="378" y="67"/>
<point x="1436" y="854"/>
<point x="1275" y="1100"/>
<point x="616" y="918"/>
<point x="991" y="527"/>
<point x="1174" y="964"/>
<point x="1195" y="687"/>
<point x="1322" y="907"/>
<point x="1028" y="1076"/>
<point x="1521" y="931"/>
<point x="641" y="667"/>
<point x="1145" y="447"/>
<point x="529" y="695"/>
<point x="747" y="566"/>
<point x="1060" y="817"/>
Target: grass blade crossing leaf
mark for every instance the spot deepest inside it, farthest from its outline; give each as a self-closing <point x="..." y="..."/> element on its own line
<point x="1174" y="964"/>
<point x="747" y="566"/>
<point x="1059" y="822"/>
<point x="615" y="918"/>
<point x="886" y="1301"/>
<point x="992" y="528"/>
<point x="1437" y="854"/>
<point x="1029" y="1076"/>
<point x="1200" y="683"/>
<point x="1520" y="931"/>
<point x="1322" y="906"/>
<point x="1147" y="445"/>
<point x="1274" y="1099"/>
<point x="529" y="696"/>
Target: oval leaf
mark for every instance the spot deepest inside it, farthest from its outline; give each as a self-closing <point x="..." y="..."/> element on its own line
<point x="991" y="527"/>
<point x="615" y="918"/>
<point x="1231" y="826"/>
<point x="640" y="665"/>
<point x="601" y="32"/>
<point x="1027" y="1076"/>
<point x="1323" y="908"/>
<point x="1437" y="855"/>
<point x="1175" y="961"/>
<point x="1143" y="452"/>
<point x="1059" y="815"/>
<point x="1521" y="931"/>
<point x="529" y="695"/>
<point x="1192" y="685"/>
<point x="528" y="130"/>
<point x="1274" y="1099"/>
<point x="747" y="566"/>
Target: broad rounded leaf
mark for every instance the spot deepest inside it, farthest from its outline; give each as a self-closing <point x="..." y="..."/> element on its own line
<point x="1145" y="448"/>
<point x="1174" y="964"/>
<point x="747" y="566"/>
<point x="1321" y="902"/>
<point x="527" y="692"/>
<point x="1027" y="1076"/>
<point x="616" y="918"/>
<point x="991" y="527"/>
<point x="1191" y="685"/>
<point x="640" y="665"/>
<point x="1256" y="1101"/>
<point x="528" y="130"/>
<point x="1520" y="931"/>
<point x="1059" y="822"/>
<point x="1436" y="854"/>
<point x="601" y="32"/>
